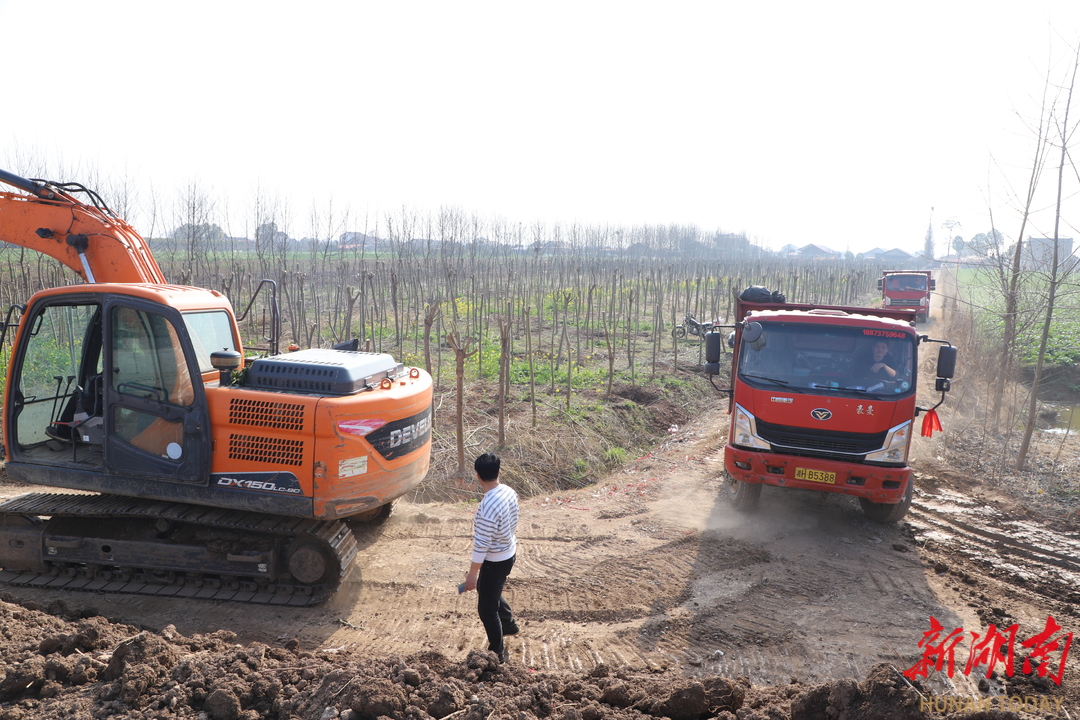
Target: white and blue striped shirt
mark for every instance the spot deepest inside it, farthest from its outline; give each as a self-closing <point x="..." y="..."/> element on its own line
<point x="495" y="525"/>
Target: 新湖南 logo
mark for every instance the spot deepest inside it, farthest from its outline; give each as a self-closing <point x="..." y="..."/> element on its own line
<point x="1044" y="653"/>
<point x="820" y="414"/>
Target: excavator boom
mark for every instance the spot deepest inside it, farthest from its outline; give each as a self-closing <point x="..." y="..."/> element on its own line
<point x="87" y="238"/>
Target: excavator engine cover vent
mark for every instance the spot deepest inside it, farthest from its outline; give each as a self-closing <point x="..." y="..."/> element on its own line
<point x="264" y="449"/>
<point x="286" y="416"/>
<point x="322" y="372"/>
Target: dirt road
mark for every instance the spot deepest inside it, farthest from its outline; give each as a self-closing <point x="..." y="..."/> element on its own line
<point x="650" y="569"/>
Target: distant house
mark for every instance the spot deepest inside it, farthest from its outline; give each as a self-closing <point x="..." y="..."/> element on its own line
<point x="896" y="255"/>
<point x="1038" y="253"/>
<point x="547" y="247"/>
<point x="357" y="239"/>
<point x="817" y="251"/>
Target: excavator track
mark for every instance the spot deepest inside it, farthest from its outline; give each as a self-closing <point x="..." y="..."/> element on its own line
<point x="110" y="543"/>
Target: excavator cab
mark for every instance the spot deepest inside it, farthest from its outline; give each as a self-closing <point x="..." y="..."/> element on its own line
<point x="111" y="384"/>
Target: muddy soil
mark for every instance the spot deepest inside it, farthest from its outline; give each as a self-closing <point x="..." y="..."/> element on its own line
<point x="643" y="595"/>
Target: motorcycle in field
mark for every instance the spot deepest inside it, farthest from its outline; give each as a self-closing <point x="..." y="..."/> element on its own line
<point x="691" y="326"/>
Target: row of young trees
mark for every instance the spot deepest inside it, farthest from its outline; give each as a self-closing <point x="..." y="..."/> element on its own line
<point x="548" y="307"/>
<point x="485" y="311"/>
<point x="1022" y="294"/>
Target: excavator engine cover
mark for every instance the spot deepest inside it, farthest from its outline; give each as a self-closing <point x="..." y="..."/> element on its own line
<point x="323" y="372"/>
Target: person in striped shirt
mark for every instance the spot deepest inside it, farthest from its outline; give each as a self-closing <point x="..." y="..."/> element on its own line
<point x="493" y="553"/>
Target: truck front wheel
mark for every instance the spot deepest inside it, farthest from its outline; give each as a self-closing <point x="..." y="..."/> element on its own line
<point x="889" y="512"/>
<point x="743" y="495"/>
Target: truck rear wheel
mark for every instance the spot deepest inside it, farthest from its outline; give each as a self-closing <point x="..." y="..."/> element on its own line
<point x="889" y="512"/>
<point x="743" y="495"/>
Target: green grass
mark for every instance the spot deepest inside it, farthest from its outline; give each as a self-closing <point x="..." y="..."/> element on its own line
<point x="982" y="290"/>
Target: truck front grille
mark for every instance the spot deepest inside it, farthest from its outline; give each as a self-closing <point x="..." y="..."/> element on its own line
<point x="825" y="444"/>
<point x="912" y="302"/>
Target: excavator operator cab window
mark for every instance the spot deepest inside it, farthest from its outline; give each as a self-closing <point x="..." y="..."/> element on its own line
<point x="61" y="353"/>
<point x="148" y="373"/>
<point x="209" y="332"/>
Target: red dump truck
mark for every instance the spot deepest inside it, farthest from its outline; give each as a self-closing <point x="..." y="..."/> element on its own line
<point x="823" y="398"/>
<point x="907" y="289"/>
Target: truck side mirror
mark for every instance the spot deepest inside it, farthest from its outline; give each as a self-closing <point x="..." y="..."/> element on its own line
<point x="946" y="361"/>
<point x="933" y="284"/>
<point x="879" y="281"/>
<point x="751" y="332"/>
<point x="712" y="353"/>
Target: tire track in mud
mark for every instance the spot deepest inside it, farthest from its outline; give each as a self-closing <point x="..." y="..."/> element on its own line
<point x="979" y="544"/>
<point x="834" y="598"/>
<point x="652" y="569"/>
<point x="565" y="579"/>
<point x="769" y="596"/>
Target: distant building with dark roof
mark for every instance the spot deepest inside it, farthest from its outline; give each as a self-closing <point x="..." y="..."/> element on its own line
<point x="895" y="255"/>
<point x="814" y="250"/>
<point x="1038" y="254"/>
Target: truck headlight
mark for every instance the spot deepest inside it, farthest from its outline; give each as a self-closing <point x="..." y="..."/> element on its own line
<point x="895" y="449"/>
<point x="887" y="301"/>
<point x="746" y="431"/>
<point x="923" y="301"/>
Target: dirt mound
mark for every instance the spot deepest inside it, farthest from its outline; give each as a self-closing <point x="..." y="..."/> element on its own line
<point x="660" y="412"/>
<point x="91" y="668"/>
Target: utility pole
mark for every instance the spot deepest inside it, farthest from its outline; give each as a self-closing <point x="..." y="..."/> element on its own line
<point x="951" y="225"/>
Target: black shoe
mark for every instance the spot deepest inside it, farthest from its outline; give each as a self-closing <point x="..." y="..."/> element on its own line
<point x="511" y="628"/>
<point x="504" y="655"/>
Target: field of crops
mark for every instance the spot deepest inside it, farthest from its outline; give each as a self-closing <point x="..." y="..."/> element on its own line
<point x="981" y="288"/>
<point x="555" y="334"/>
<point x="558" y="307"/>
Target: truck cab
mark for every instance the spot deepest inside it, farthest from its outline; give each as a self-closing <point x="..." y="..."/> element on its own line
<point x="907" y="289"/>
<point x="822" y="398"/>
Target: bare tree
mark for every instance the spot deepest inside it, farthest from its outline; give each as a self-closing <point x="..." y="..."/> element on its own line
<point x="461" y="354"/>
<point x="1065" y="134"/>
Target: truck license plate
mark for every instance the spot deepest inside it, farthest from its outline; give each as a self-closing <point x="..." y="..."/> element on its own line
<point x="815" y="475"/>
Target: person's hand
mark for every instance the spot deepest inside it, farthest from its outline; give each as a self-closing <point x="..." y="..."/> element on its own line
<point x="470" y="582"/>
<point x="882" y="366"/>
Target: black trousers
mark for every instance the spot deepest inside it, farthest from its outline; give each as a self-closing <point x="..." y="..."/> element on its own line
<point x="493" y="610"/>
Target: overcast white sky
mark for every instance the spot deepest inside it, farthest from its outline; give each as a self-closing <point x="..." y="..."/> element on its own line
<point x="841" y="123"/>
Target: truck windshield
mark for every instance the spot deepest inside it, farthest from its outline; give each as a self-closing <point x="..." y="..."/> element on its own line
<point x="808" y="358"/>
<point x="907" y="283"/>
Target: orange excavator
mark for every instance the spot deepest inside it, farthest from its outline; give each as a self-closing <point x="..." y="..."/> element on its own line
<point x="203" y="472"/>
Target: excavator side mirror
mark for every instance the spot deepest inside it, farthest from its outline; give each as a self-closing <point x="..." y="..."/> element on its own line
<point x="225" y="362"/>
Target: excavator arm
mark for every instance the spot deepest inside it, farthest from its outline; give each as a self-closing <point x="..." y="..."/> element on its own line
<point x="86" y="237"/>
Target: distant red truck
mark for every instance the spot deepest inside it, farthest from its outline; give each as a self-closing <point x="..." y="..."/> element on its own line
<point x="902" y="289"/>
